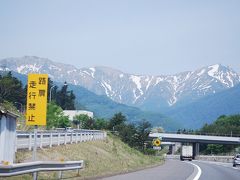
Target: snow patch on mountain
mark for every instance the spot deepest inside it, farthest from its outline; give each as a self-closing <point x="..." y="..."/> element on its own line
<point x="158" y="80"/>
<point x="33" y="68"/>
<point x="137" y="81"/>
<point x="149" y="81"/>
<point x="92" y="71"/>
<point x="201" y="72"/>
<point x="108" y="88"/>
<point x="214" y="70"/>
<point x="137" y="91"/>
<point x="53" y="67"/>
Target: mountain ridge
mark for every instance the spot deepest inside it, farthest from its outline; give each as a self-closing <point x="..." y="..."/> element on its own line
<point x="155" y="93"/>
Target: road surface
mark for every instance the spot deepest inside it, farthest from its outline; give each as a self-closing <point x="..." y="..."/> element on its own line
<point x="218" y="170"/>
<point x="184" y="170"/>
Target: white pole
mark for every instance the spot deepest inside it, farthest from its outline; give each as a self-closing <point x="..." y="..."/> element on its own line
<point x="50" y="93"/>
<point x="35" y="150"/>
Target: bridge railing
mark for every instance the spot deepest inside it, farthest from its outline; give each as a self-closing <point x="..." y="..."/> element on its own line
<point x="202" y="133"/>
<point x="25" y="140"/>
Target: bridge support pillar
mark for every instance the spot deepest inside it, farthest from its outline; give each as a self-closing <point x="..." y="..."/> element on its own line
<point x="195" y="149"/>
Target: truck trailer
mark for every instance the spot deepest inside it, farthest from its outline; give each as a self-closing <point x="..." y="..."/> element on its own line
<point x="186" y="152"/>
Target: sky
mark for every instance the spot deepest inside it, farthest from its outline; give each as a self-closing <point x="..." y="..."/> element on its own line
<point x="151" y="37"/>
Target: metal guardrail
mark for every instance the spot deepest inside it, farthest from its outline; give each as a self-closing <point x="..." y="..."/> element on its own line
<point x="25" y="140"/>
<point x="37" y="166"/>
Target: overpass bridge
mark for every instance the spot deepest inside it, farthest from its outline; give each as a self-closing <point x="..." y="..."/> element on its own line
<point x="190" y="138"/>
<point x="196" y="139"/>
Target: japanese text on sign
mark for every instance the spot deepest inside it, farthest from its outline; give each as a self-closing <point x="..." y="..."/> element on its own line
<point x="37" y="99"/>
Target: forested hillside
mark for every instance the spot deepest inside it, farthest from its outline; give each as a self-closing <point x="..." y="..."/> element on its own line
<point x="207" y="109"/>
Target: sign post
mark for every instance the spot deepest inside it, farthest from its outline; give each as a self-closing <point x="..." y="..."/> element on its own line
<point x="156" y="143"/>
<point x="36" y="105"/>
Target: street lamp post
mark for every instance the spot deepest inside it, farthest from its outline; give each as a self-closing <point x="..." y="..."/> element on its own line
<point x="50" y="93"/>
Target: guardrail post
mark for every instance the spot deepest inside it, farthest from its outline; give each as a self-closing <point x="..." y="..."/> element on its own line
<point x="76" y="140"/>
<point x="60" y="175"/>
<point x="78" y="172"/>
<point x="84" y="137"/>
<point x="71" y="138"/>
<point x="35" y="175"/>
<point x="41" y="140"/>
<point x="30" y="141"/>
<point x="65" y="138"/>
<point x="58" y="139"/>
<point x="51" y="138"/>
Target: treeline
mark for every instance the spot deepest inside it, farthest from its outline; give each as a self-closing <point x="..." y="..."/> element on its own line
<point x="14" y="94"/>
<point x="225" y="126"/>
<point x="135" y="135"/>
<point x="12" y="90"/>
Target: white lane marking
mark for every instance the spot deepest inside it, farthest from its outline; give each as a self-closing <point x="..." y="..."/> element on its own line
<point x="198" y="173"/>
<point x="223" y="164"/>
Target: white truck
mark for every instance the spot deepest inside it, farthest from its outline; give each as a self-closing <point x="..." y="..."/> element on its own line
<point x="186" y="152"/>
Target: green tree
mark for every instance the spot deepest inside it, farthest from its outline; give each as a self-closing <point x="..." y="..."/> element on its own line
<point x="128" y="134"/>
<point x="100" y="124"/>
<point x="55" y="117"/>
<point x="89" y="124"/>
<point x="143" y="131"/>
<point x="65" y="98"/>
<point x="11" y="89"/>
<point x="117" y="120"/>
<point x="224" y="125"/>
<point x="83" y="120"/>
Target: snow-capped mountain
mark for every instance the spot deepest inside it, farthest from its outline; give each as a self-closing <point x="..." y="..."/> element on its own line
<point x="148" y="92"/>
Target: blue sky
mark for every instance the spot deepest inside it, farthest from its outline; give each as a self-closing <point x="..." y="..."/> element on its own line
<point x="136" y="36"/>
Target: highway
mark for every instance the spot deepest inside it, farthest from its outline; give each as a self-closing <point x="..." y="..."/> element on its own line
<point x="218" y="170"/>
<point x="184" y="170"/>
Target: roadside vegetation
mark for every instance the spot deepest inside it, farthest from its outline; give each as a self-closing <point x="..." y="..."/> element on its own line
<point x="102" y="158"/>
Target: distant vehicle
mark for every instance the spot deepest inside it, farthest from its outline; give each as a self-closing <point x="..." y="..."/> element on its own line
<point x="236" y="160"/>
<point x="186" y="152"/>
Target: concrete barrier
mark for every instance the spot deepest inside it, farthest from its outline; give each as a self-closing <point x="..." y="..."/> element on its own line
<point x="226" y="159"/>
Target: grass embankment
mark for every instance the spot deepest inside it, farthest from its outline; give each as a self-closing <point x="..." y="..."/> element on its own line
<point x="102" y="158"/>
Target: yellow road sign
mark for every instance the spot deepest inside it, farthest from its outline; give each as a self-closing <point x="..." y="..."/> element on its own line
<point x="156" y="142"/>
<point x="37" y="99"/>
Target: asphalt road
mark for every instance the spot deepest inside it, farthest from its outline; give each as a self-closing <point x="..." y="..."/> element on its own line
<point x="178" y="170"/>
<point x="218" y="170"/>
<point x="171" y="170"/>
